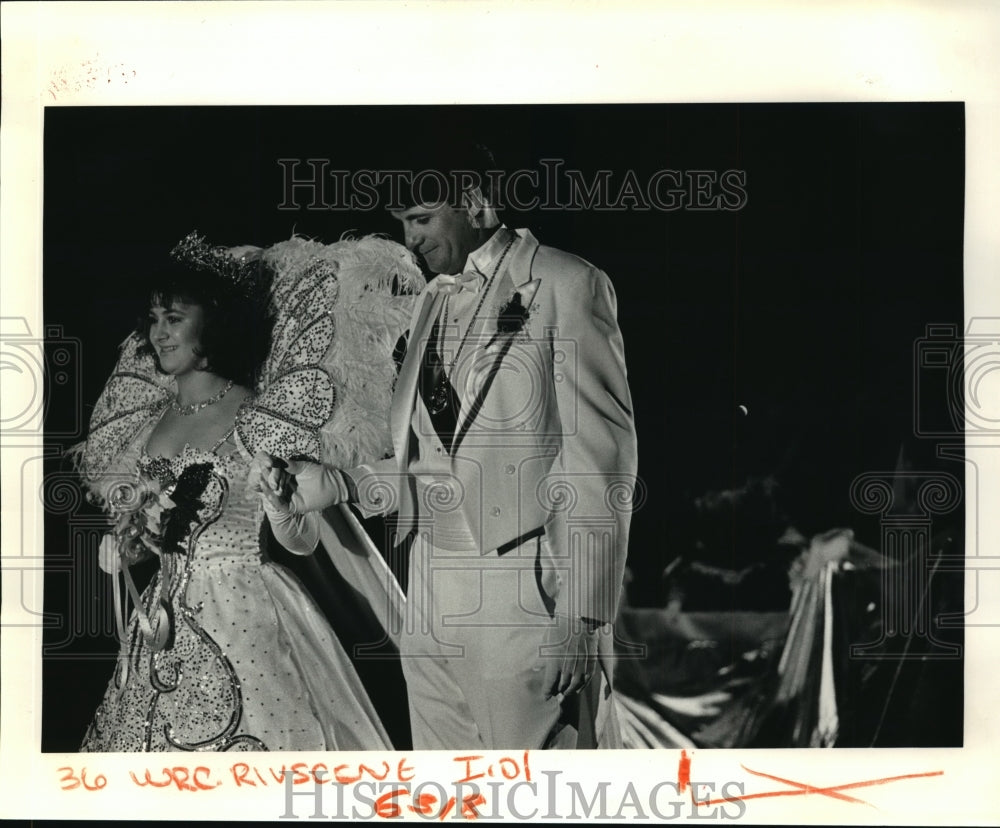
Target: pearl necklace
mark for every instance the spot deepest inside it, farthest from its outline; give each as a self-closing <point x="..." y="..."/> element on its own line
<point x="194" y="408"/>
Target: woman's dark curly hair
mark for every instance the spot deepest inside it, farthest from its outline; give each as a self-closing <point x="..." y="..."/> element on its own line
<point x="237" y="326"/>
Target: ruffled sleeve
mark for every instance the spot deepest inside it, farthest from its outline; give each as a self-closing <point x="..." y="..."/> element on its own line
<point x="134" y="393"/>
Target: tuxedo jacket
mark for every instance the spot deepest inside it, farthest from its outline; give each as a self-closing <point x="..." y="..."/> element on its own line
<point x="545" y="438"/>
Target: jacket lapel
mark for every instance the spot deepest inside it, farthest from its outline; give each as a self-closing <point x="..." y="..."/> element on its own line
<point x="521" y="257"/>
<point x="515" y="279"/>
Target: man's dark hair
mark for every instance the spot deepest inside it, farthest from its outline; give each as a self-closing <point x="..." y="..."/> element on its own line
<point x="432" y="171"/>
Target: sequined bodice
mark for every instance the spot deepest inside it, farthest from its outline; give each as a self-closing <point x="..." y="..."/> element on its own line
<point x="224" y="520"/>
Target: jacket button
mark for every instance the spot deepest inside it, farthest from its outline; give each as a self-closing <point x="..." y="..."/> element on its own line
<point x="495" y="511"/>
<point x="509" y="468"/>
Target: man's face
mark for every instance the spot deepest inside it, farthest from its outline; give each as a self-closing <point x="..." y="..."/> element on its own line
<point x="442" y="235"/>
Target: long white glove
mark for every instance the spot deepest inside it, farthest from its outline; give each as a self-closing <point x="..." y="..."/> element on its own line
<point x="297" y="533"/>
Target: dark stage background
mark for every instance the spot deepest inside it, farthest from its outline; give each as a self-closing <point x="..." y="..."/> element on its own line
<point x="803" y="306"/>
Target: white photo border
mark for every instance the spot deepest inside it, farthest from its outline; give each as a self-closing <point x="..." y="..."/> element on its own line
<point x="99" y="54"/>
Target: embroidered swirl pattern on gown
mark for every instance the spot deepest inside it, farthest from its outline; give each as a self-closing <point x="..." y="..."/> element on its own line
<point x="253" y="664"/>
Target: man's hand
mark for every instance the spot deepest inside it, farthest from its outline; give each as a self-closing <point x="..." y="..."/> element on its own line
<point x="570" y="658"/>
<point x="297" y="486"/>
<point x="108" y="559"/>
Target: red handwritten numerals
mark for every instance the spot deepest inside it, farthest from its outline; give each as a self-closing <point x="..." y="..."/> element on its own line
<point x="71" y="781"/>
<point x="506" y="767"/>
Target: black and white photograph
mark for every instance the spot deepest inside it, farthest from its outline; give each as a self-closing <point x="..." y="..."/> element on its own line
<point x="772" y="280"/>
<point x="392" y="418"/>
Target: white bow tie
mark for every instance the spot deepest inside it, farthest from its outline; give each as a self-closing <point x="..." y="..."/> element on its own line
<point x="470" y="280"/>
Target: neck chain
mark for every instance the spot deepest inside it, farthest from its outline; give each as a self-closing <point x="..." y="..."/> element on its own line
<point x="440" y="399"/>
<point x="194" y="408"/>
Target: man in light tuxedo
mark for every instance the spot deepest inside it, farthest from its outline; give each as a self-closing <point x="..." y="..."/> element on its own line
<point x="515" y="462"/>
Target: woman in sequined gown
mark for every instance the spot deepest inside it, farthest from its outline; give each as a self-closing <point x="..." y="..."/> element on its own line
<point x="225" y="650"/>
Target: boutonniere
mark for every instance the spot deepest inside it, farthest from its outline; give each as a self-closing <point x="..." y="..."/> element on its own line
<point x="512" y="315"/>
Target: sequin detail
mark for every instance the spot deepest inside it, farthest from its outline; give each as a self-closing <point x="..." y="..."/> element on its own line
<point x="252" y="665"/>
<point x="188" y="696"/>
